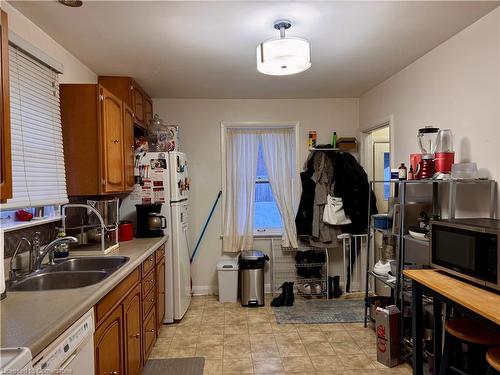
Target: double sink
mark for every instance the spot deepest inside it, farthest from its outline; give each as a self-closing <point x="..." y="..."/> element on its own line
<point x="70" y="273"/>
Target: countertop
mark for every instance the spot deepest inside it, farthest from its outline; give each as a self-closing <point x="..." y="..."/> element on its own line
<point x="477" y="299"/>
<point x="35" y="319"/>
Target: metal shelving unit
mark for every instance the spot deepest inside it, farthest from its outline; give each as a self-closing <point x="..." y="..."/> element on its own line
<point x="284" y="268"/>
<point x="400" y="288"/>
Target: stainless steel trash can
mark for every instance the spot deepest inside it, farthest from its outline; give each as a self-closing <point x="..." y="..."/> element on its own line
<point x="252" y="264"/>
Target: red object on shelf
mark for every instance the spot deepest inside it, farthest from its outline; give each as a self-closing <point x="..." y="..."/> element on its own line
<point x="22" y="215"/>
<point x="443" y="161"/>
<point x="125" y="231"/>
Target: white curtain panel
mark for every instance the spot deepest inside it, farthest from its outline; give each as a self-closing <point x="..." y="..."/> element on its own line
<point x="278" y="148"/>
<point x="241" y="152"/>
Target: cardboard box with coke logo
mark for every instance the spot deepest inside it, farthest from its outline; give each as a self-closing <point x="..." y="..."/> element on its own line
<point x="387" y="325"/>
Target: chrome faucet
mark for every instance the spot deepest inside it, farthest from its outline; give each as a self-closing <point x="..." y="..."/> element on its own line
<point x="49" y="249"/>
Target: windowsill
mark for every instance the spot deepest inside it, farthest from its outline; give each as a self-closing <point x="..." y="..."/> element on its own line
<point x="15" y="225"/>
<point x="268" y="234"/>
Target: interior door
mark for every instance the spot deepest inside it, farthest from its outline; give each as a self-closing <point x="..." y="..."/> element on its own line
<point x="5" y="152"/>
<point x="132" y="331"/>
<point x="128" y="147"/>
<point x="112" y="142"/>
<point x="381" y="172"/>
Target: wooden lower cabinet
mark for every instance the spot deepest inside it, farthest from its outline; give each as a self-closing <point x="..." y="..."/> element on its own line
<point x="128" y="319"/>
<point x="132" y="331"/>
<point x="108" y="341"/>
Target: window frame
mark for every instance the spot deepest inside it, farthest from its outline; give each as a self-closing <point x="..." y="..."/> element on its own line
<point x="255" y="125"/>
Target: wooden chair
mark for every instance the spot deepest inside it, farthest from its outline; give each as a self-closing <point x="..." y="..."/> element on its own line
<point x="478" y="339"/>
<point x="493" y="359"/>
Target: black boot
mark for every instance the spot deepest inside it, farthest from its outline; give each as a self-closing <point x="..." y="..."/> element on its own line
<point x="280" y="300"/>
<point x="289" y="297"/>
<point x="337" y="292"/>
<point x="330" y="287"/>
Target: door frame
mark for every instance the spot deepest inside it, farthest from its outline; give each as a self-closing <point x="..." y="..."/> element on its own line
<point x="366" y="155"/>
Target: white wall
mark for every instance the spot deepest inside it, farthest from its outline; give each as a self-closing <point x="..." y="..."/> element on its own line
<point x="199" y="121"/>
<point x="456" y="86"/>
<point x="74" y="70"/>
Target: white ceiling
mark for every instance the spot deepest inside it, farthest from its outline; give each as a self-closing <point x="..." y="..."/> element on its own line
<point x="207" y="49"/>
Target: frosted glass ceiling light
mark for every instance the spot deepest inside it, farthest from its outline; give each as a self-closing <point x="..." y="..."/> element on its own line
<point x="283" y="56"/>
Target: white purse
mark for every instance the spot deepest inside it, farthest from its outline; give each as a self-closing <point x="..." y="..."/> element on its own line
<point x="334" y="213"/>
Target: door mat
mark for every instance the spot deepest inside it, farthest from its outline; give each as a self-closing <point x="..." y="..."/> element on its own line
<point x="321" y="311"/>
<point x="177" y="366"/>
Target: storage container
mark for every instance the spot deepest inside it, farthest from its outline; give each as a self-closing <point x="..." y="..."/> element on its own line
<point x="227" y="272"/>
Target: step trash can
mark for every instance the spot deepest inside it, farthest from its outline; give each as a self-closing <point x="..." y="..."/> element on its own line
<point x="227" y="272"/>
<point x="252" y="264"/>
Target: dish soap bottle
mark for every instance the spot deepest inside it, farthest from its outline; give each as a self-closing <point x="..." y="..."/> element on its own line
<point x="61" y="250"/>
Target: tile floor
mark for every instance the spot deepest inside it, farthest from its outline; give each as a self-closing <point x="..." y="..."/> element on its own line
<point x="237" y="340"/>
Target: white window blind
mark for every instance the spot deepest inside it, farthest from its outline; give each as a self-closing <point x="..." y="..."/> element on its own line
<point x="38" y="171"/>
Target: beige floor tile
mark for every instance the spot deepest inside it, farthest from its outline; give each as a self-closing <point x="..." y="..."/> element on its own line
<point x="259" y="328"/>
<point x="163" y="343"/>
<point x="338" y="336"/>
<point x="264" y="350"/>
<point x="184" y="340"/>
<point x="365" y="335"/>
<point x="312" y="337"/>
<point x="210" y="340"/>
<point x="209" y="351"/>
<point x="212" y="367"/>
<point x="158" y="353"/>
<point x="297" y="365"/>
<point x="267" y="366"/>
<point x="240" y="351"/>
<point x="319" y="348"/>
<point x="236" y="329"/>
<point x="181" y="352"/>
<point x="235" y="320"/>
<point x="305" y="328"/>
<point x="332" y="327"/>
<point x="292" y="349"/>
<point x="345" y="347"/>
<point x="333" y="372"/>
<point x="281" y="328"/>
<point x="356" y="362"/>
<point x="287" y="337"/>
<point x="354" y="326"/>
<point x="327" y="363"/>
<point x="189" y="330"/>
<point x="263" y="338"/>
<point x="258" y="319"/>
<point x="360" y="372"/>
<point x="237" y="340"/>
<point x="216" y="329"/>
<point x="212" y="319"/>
<point x="167" y="330"/>
<point x="237" y="366"/>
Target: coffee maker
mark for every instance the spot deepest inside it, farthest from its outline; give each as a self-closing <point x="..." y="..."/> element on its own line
<point x="427" y="143"/>
<point x="150" y="222"/>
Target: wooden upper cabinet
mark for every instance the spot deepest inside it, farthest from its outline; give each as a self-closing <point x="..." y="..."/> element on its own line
<point x="133" y="331"/>
<point x="5" y="152"/>
<point x="131" y="93"/>
<point x="128" y="147"/>
<point x="108" y="345"/>
<point x="112" y="143"/>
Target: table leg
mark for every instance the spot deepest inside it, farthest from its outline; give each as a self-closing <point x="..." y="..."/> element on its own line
<point x="438" y="333"/>
<point x="417" y="328"/>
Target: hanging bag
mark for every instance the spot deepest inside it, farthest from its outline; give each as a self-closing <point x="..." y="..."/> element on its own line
<point x="334" y="213"/>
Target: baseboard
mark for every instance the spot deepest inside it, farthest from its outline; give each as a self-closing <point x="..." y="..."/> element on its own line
<point x="208" y="290"/>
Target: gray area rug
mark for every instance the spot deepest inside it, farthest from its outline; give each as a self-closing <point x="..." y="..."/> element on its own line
<point x="321" y="311"/>
<point x="177" y="366"/>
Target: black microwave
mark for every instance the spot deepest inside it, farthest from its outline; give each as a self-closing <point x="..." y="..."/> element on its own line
<point x="467" y="248"/>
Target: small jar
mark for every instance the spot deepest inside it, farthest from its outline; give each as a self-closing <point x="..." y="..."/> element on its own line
<point x="402" y="172"/>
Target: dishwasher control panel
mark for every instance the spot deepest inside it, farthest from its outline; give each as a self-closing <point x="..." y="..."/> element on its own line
<point x="63" y="350"/>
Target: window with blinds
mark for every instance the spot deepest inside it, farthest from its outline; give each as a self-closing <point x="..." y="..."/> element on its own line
<point x="38" y="173"/>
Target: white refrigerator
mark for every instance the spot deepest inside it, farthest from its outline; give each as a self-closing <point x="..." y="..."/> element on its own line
<point x="163" y="178"/>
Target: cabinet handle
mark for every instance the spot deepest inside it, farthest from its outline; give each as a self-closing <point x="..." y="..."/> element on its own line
<point x="151" y="331"/>
<point x="136" y="336"/>
<point x="152" y="300"/>
<point x="113" y="373"/>
<point x="151" y="259"/>
<point x="116" y="141"/>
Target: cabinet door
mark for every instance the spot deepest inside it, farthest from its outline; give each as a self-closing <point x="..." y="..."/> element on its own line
<point x="128" y="147"/>
<point x="160" y="293"/>
<point x="149" y="327"/>
<point x="108" y="341"/>
<point x="138" y="100"/>
<point x="148" y="111"/>
<point x="5" y="153"/>
<point x="132" y="331"/>
<point x="112" y="142"/>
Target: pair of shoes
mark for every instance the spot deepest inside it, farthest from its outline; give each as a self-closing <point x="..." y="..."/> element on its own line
<point x="312" y="289"/>
<point x="286" y="298"/>
<point x="334" y="290"/>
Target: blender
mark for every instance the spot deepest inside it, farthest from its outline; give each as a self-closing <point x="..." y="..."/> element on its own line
<point x="444" y="156"/>
<point x="427" y="137"/>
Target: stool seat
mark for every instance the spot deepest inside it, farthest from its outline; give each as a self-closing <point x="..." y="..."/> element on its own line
<point x="493" y="358"/>
<point x="473" y="332"/>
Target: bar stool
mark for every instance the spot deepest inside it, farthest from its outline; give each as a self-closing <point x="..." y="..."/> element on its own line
<point x="493" y="359"/>
<point x="477" y="337"/>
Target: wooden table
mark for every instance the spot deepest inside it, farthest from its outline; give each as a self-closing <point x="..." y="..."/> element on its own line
<point x="471" y="300"/>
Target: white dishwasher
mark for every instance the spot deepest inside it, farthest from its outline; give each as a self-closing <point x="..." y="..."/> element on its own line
<point x="72" y="352"/>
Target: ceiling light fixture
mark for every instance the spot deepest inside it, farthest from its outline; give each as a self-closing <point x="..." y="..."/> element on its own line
<point x="72" y="3"/>
<point x="283" y="56"/>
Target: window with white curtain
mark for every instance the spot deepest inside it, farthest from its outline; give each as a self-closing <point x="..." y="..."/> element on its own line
<point x="38" y="172"/>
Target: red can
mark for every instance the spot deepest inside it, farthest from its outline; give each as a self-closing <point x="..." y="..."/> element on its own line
<point x="125" y="231"/>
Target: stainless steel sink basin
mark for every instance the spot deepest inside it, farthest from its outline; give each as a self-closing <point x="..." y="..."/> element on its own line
<point x="58" y="280"/>
<point x="89" y="264"/>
